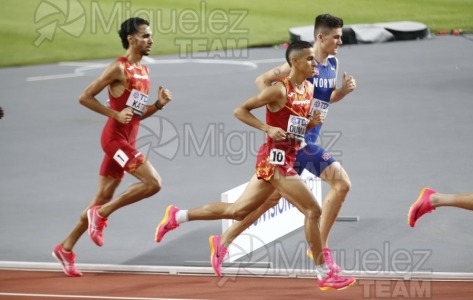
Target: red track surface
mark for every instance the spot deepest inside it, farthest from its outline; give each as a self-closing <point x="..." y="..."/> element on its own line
<point x="19" y="285"/>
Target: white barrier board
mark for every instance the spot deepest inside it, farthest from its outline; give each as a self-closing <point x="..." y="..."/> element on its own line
<point x="273" y="224"/>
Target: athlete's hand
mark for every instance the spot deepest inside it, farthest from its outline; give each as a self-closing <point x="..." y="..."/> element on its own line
<point x="348" y="83"/>
<point x="164" y="96"/>
<point x="316" y="119"/>
<point x="125" y="115"/>
<point x="276" y="133"/>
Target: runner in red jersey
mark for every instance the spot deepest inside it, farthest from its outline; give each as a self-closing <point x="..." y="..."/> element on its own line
<point x="288" y="104"/>
<point x="281" y="154"/>
<point x="128" y="86"/>
<point x="313" y="158"/>
<point x="118" y="140"/>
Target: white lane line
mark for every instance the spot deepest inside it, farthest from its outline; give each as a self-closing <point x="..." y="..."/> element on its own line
<point x="82" y="67"/>
<point x="268" y="60"/>
<point x="53" y="77"/>
<point x="85" y="297"/>
<point x="148" y="59"/>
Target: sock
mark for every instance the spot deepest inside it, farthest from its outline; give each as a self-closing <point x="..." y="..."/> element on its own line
<point x="322" y="271"/>
<point x="181" y="216"/>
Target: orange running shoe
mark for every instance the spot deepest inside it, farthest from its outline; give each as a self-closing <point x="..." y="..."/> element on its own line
<point x="217" y="254"/>
<point x="421" y="206"/>
<point x="335" y="282"/>
<point x="167" y="224"/>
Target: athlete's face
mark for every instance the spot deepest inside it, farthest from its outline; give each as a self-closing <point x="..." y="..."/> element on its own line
<point x="142" y="41"/>
<point x="305" y="62"/>
<point x="330" y="40"/>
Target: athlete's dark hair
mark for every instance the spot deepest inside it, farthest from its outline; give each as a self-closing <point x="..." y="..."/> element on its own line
<point x="130" y="26"/>
<point x="296" y="46"/>
<point x="326" y="22"/>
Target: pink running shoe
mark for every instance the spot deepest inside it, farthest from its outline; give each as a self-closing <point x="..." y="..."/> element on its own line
<point x="217" y="254"/>
<point x="421" y="206"/>
<point x="335" y="282"/>
<point x="67" y="261"/>
<point x="96" y="225"/>
<point x="167" y="224"/>
<point x="328" y="259"/>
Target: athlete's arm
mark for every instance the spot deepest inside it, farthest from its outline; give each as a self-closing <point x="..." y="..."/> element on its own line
<point x="268" y="78"/>
<point x="164" y="96"/>
<point x="112" y="74"/>
<point x="275" y="98"/>
<point x="348" y="86"/>
<point x="317" y="118"/>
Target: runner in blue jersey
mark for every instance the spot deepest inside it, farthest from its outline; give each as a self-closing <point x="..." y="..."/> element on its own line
<point x="327" y="36"/>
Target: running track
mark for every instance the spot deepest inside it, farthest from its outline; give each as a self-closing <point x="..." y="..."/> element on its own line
<point x="407" y="125"/>
<point x="121" y="286"/>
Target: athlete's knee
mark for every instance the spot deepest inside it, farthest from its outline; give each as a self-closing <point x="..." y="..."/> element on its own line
<point x="239" y="215"/>
<point x="342" y="186"/>
<point x="337" y="178"/>
<point x="274" y="199"/>
<point x="313" y="212"/>
<point x="153" y="186"/>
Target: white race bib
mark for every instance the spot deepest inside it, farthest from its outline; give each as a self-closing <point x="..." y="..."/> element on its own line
<point x="277" y="157"/>
<point x="319" y="105"/>
<point x="121" y="158"/>
<point x="137" y="100"/>
<point x="297" y="127"/>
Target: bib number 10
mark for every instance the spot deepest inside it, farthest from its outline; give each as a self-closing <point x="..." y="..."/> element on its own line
<point x="277" y="157"/>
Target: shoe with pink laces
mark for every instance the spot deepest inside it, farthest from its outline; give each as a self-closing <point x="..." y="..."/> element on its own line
<point x="167" y="224"/>
<point x="67" y="261"/>
<point x="328" y="259"/>
<point x="96" y="225"/>
<point x="217" y="254"/>
<point x="421" y="206"/>
<point x="335" y="282"/>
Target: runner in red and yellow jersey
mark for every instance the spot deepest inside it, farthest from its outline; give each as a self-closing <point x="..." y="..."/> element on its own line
<point x="128" y="86"/>
<point x="281" y="154"/>
<point x="287" y="119"/>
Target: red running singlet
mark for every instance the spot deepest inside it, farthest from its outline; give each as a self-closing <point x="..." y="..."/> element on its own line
<point x="119" y="140"/>
<point x="293" y="119"/>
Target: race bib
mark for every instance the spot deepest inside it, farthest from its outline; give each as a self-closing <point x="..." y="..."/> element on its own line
<point x="277" y="157"/>
<point x="137" y="100"/>
<point x="297" y="126"/>
<point x="319" y="105"/>
<point x="121" y="158"/>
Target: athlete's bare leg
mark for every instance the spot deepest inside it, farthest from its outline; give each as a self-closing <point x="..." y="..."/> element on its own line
<point x="254" y="195"/>
<point x="340" y="184"/>
<point x="238" y="227"/>
<point x="464" y="201"/>
<point x="296" y="192"/>
<point x="105" y="191"/>
<point x="150" y="184"/>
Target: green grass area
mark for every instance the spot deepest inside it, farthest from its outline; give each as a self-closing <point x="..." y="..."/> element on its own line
<point x="45" y="31"/>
